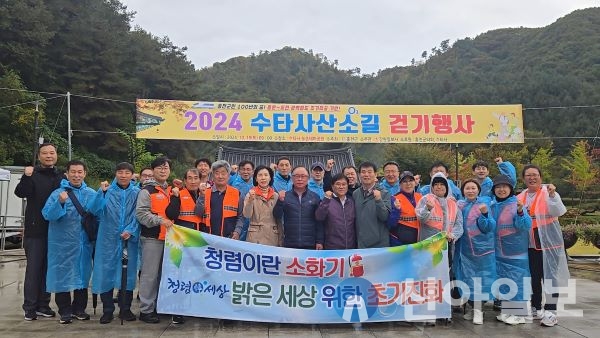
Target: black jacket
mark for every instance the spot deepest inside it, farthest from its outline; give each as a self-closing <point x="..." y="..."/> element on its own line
<point x="36" y="189"/>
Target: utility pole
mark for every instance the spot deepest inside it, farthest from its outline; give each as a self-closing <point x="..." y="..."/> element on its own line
<point x="69" y="123"/>
<point x="35" y="131"/>
<point x="456" y="164"/>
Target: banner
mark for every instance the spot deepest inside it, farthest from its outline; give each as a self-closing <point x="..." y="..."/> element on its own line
<point x="215" y="277"/>
<point x="276" y="122"/>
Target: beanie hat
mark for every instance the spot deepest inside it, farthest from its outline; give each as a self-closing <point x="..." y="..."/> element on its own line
<point x="502" y="179"/>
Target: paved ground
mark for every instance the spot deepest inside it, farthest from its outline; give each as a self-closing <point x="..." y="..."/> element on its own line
<point x="12" y="270"/>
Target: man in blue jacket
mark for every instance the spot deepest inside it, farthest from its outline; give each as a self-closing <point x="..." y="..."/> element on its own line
<point x="297" y="207"/>
<point x="391" y="179"/>
<point x="282" y="180"/>
<point x="315" y="183"/>
<point x="118" y="225"/>
<point x="69" y="248"/>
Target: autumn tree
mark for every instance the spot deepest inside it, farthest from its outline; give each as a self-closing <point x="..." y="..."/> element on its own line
<point x="581" y="169"/>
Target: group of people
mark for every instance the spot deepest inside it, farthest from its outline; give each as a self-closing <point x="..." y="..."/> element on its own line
<point x="493" y="233"/>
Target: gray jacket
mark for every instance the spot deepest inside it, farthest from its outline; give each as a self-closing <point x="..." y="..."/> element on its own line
<point x="371" y="218"/>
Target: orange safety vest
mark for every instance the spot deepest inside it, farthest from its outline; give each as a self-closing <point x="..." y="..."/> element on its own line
<point x="540" y="209"/>
<point x="436" y="217"/>
<point x="408" y="215"/>
<point x="230" y="207"/>
<point x="159" y="200"/>
<point x="186" y="210"/>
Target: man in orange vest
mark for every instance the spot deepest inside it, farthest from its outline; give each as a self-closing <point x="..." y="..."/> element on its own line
<point x="183" y="201"/>
<point x="403" y="222"/>
<point x="220" y="206"/>
<point x="151" y="204"/>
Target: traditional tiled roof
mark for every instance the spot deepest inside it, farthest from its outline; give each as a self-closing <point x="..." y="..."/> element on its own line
<point x="342" y="157"/>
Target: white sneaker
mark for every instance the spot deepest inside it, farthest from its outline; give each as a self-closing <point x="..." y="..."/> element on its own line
<point x="469" y="315"/>
<point x="477" y="317"/>
<point x="537" y="314"/>
<point x="549" y="319"/>
<point x="516" y="320"/>
<point x="502" y="317"/>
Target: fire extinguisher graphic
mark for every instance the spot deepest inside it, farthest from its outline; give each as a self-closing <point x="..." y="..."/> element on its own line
<point x="356" y="266"/>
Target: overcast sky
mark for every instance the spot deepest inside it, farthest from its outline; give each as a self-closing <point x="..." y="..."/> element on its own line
<point x="371" y="35"/>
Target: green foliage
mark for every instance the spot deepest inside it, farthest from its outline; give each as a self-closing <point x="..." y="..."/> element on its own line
<point x="589" y="233"/>
<point x="65" y="45"/>
<point x="138" y="155"/>
<point x="98" y="167"/>
<point x="580" y="166"/>
<point x="26" y="33"/>
<point x="17" y="110"/>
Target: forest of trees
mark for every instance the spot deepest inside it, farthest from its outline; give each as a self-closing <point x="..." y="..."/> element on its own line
<point x="90" y="49"/>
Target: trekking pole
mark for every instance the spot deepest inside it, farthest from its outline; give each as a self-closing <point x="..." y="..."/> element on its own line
<point x="124" y="262"/>
<point x="94" y="295"/>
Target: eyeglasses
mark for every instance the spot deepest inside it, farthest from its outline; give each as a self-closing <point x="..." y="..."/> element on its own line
<point x="532" y="175"/>
<point x="162" y="168"/>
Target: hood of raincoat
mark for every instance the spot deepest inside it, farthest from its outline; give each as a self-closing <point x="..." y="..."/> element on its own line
<point x="440" y="177"/>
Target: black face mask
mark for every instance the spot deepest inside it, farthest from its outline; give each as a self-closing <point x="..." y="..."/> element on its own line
<point x="502" y="199"/>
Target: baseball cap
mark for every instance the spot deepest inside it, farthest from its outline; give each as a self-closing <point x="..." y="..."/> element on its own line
<point x="406" y="174"/>
<point x="317" y="165"/>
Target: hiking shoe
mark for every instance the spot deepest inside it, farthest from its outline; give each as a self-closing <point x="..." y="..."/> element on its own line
<point x="516" y="320"/>
<point x="537" y="314"/>
<point x="81" y="316"/>
<point x="151" y="318"/>
<point x="106" y="318"/>
<point x="477" y="317"/>
<point x="178" y="320"/>
<point x="46" y="312"/>
<point x="65" y="319"/>
<point x="127" y="315"/>
<point x="497" y="305"/>
<point x="30" y="315"/>
<point x="549" y="319"/>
